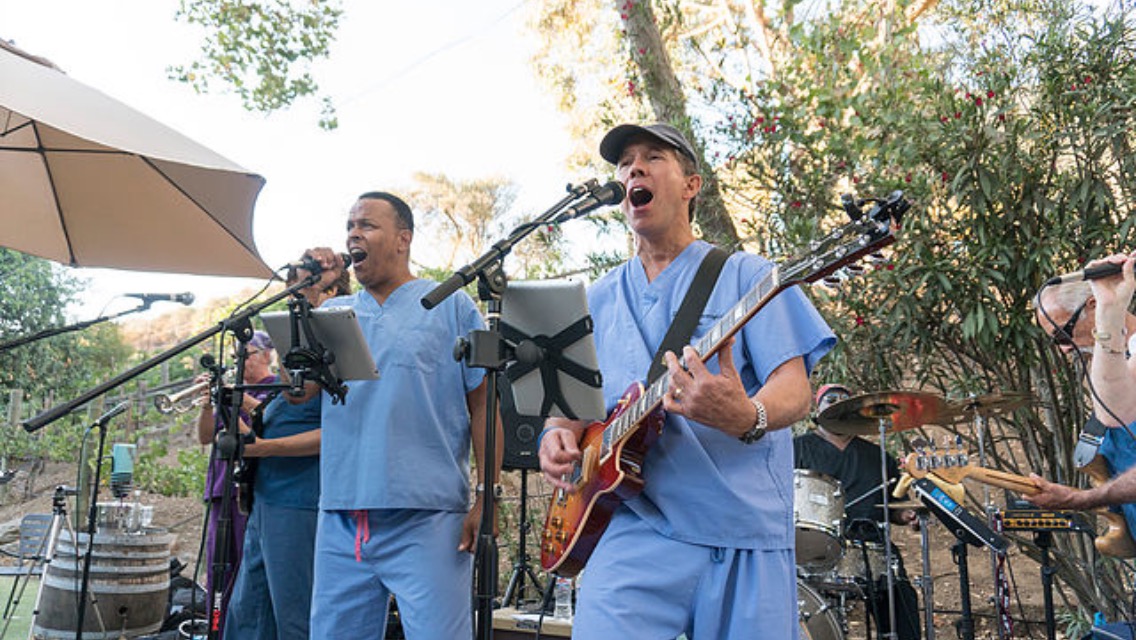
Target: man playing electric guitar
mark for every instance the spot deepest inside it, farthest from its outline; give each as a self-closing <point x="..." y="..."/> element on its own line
<point x="707" y="548"/>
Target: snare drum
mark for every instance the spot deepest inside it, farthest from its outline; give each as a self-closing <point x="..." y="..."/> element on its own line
<point x="817" y="619"/>
<point x="851" y="567"/>
<point x="818" y="509"/>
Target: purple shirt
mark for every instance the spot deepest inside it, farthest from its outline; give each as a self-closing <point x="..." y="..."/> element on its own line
<point x="214" y="477"/>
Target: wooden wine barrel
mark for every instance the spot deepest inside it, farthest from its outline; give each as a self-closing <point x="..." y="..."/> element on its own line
<point x="129" y="583"/>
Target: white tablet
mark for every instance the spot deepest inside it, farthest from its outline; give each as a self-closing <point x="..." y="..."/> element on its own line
<point x="551" y="308"/>
<point x="337" y="330"/>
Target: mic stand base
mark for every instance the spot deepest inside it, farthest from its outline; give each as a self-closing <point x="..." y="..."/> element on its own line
<point x="965" y="624"/>
<point x="515" y="592"/>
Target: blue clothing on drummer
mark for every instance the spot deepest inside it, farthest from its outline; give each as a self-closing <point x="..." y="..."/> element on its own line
<point x="395" y="517"/>
<point x="718" y="502"/>
<point x="273" y="590"/>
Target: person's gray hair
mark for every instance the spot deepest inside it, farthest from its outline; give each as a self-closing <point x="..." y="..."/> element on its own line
<point x="1066" y="296"/>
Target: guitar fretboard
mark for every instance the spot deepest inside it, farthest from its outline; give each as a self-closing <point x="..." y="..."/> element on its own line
<point x="626" y="424"/>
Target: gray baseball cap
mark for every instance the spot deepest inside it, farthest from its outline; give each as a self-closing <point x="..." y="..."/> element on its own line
<point x="613" y="143"/>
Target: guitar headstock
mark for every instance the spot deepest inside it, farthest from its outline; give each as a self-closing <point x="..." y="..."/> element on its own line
<point x="866" y="234"/>
<point x="952" y="463"/>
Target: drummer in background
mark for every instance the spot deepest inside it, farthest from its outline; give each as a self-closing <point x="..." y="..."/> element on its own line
<point x="855" y="462"/>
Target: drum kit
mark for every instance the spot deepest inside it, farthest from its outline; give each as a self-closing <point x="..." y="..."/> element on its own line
<point x="832" y="572"/>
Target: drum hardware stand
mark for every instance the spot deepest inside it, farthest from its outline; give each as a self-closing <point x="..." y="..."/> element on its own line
<point x="515" y="592"/>
<point x="1044" y="540"/>
<point x="926" y="585"/>
<point x="980" y="422"/>
<point x="884" y="422"/>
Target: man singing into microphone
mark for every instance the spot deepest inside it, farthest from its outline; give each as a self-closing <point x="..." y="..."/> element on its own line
<point x="707" y="548"/>
<point x="394" y="470"/>
<point x="1093" y="317"/>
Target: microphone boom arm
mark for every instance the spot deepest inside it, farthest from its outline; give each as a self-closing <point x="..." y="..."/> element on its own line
<point x="58" y="411"/>
<point x="496" y="254"/>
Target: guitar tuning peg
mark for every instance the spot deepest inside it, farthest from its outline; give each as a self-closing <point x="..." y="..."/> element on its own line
<point x="833" y="281"/>
<point x="877" y="257"/>
<point x="854" y="270"/>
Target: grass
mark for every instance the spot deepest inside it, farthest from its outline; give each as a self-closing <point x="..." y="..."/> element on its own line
<point x="20" y="622"/>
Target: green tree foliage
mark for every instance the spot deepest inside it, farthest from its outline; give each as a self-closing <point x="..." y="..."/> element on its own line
<point x="464" y="217"/>
<point x="33" y="296"/>
<point x="261" y="49"/>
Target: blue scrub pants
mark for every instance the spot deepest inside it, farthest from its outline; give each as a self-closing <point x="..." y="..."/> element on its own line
<point x="273" y="590"/>
<point x="364" y="557"/>
<point x="640" y="584"/>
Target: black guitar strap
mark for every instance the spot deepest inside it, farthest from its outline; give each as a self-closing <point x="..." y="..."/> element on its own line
<point x="686" y="319"/>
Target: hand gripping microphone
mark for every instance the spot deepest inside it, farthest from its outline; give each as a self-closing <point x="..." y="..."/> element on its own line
<point x="1091" y="273"/>
<point x="310" y="264"/>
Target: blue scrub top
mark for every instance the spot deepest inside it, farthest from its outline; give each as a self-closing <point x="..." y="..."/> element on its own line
<point x="289" y="481"/>
<point x="704" y="486"/>
<point x="1119" y="450"/>
<point x="403" y="441"/>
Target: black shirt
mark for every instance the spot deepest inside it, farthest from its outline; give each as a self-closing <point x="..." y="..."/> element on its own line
<point x="857" y="468"/>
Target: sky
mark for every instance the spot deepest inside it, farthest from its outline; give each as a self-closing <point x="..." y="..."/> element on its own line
<point x="441" y="86"/>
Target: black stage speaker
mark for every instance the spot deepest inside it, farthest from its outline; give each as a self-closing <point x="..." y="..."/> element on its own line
<point x="520" y="431"/>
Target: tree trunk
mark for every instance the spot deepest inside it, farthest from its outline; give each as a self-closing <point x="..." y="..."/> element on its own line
<point x="662" y="89"/>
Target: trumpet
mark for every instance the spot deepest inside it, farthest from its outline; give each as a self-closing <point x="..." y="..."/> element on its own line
<point x="183" y="400"/>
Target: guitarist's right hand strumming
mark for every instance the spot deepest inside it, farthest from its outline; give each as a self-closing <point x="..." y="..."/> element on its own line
<point x="559" y="451"/>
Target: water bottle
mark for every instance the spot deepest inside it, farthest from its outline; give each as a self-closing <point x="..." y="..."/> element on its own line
<point x="563" y="593"/>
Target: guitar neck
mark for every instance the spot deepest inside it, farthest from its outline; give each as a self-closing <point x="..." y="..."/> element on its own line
<point x="709" y="344"/>
<point x="1003" y="480"/>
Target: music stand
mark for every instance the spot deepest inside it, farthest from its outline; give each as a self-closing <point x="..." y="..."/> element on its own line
<point x="970" y="531"/>
<point x="556" y="373"/>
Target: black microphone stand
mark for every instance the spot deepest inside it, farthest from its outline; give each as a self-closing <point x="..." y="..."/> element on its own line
<point x="486" y="349"/>
<point x="92" y="514"/>
<point x="78" y="326"/>
<point x="227" y="443"/>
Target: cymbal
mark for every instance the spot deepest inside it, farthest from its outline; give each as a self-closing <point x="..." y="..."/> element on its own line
<point x="990" y="403"/>
<point x="901" y="410"/>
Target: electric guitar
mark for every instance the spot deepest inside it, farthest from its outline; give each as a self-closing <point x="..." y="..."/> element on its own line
<point x="610" y="468"/>
<point x="954" y="465"/>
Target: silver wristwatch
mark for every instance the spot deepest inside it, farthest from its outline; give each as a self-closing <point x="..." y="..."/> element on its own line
<point x="757" y="431"/>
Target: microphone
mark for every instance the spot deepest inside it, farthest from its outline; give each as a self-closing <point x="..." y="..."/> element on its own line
<point x="611" y="193"/>
<point x="309" y="263"/>
<point x="1091" y="273"/>
<point x="151" y="298"/>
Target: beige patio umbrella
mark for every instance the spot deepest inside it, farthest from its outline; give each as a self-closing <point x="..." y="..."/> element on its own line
<point x="88" y="181"/>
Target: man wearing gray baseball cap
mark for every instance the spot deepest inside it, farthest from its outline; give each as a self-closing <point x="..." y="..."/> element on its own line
<point x="717" y="504"/>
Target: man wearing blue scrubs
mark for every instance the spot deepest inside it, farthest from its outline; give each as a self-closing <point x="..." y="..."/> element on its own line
<point x="394" y="508"/>
<point x="707" y="548"/>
